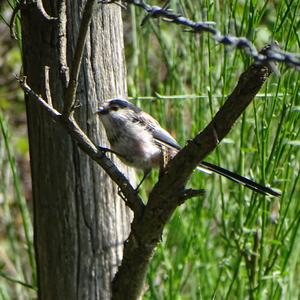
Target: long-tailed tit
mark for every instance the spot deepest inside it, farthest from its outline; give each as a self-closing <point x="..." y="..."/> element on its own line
<point x="139" y="141"/>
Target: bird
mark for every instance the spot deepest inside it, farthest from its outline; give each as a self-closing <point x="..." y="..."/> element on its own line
<point x="140" y="142"/>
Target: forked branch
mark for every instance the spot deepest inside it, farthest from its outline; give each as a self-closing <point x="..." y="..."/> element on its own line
<point x="163" y="200"/>
<point x="132" y="198"/>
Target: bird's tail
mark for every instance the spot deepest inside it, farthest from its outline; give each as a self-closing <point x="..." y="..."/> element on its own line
<point x="208" y="167"/>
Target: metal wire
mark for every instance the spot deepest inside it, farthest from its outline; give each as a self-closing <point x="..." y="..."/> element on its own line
<point x="272" y="54"/>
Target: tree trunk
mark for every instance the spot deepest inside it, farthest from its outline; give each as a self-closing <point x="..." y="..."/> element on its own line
<point x="79" y="222"/>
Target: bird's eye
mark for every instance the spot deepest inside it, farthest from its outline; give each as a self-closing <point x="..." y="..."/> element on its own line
<point x="115" y="108"/>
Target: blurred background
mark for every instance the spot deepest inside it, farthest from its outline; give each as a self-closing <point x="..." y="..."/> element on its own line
<point x="16" y="254"/>
<point x="231" y="244"/>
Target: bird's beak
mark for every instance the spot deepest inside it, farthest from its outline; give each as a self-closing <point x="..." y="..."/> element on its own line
<point x="102" y="111"/>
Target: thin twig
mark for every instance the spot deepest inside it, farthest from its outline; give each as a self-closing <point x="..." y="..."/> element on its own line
<point x="62" y="42"/>
<point x="190" y="193"/>
<point x="54" y="114"/>
<point x="47" y="86"/>
<point x="70" y="95"/>
<point x="12" y="20"/>
<point x="41" y="9"/>
<point x="133" y="201"/>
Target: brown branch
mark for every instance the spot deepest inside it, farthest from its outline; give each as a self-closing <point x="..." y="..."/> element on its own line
<point x="163" y="200"/>
<point x="188" y="194"/>
<point x="70" y="95"/>
<point x="133" y="201"/>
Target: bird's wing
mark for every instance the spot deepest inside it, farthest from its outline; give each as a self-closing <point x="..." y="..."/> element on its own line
<point x="162" y="136"/>
<point x="159" y="134"/>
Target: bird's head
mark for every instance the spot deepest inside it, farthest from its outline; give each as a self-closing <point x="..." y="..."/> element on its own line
<point x="115" y="107"/>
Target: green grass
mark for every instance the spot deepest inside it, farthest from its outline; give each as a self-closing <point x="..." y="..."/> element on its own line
<point x="17" y="264"/>
<point x="234" y="244"/>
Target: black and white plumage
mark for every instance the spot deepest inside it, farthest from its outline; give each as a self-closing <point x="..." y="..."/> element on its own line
<point x="139" y="141"/>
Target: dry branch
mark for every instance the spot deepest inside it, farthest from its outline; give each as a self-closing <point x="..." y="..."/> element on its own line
<point x="134" y="202"/>
<point x="62" y="42"/>
<point x="70" y="95"/>
<point x="163" y="200"/>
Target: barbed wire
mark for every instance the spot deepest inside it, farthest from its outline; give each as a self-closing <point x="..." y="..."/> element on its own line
<point x="272" y="54"/>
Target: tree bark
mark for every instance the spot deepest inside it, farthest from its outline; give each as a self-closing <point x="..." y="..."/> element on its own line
<point x="79" y="222"/>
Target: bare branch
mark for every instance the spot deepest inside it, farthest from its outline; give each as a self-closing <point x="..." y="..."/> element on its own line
<point x="47" y="86"/>
<point x="12" y="20"/>
<point x="40" y="7"/>
<point x="188" y="194"/>
<point x="54" y="114"/>
<point x="70" y="95"/>
<point x="163" y="199"/>
<point x="62" y="42"/>
<point x="133" y="200"/>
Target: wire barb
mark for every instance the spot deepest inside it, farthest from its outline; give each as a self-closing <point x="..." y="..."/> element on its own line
<point x="273" y="54"/>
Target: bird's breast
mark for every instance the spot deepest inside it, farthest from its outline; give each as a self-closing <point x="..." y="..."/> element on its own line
<point x="136" y="147"/>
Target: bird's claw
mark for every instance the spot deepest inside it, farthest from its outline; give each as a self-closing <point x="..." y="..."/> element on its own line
<point x="104" y="150"/>
<point x="121" y="194"/>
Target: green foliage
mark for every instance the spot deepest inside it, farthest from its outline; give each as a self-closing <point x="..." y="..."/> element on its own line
<point x="233" y="244"/>
<point x="17" y="264"/>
